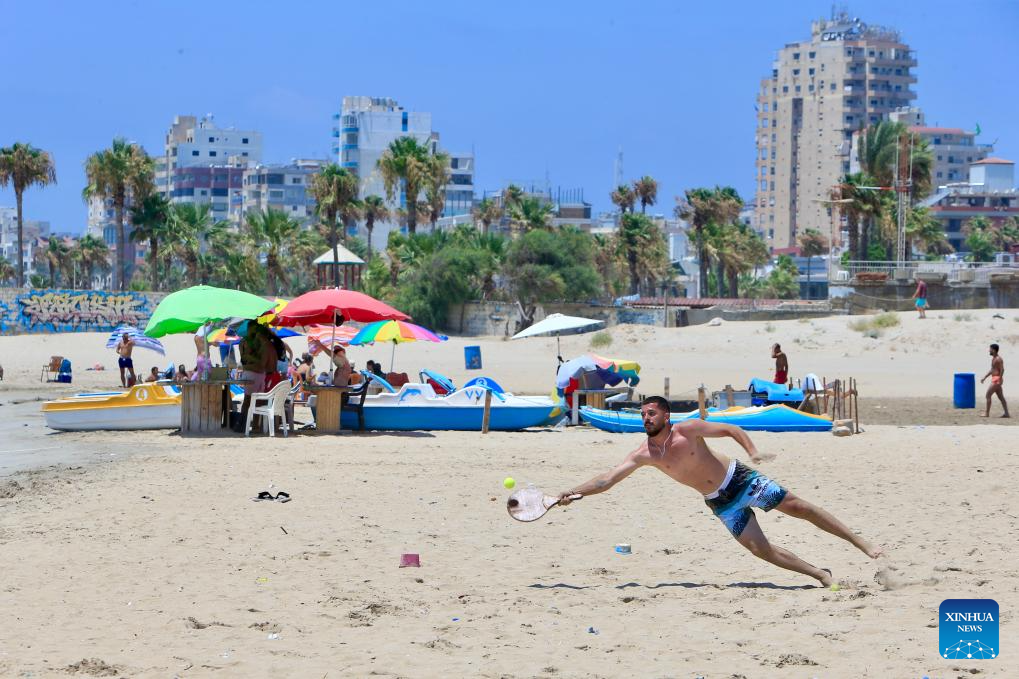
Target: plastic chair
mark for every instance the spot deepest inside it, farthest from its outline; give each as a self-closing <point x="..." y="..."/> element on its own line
<point x="51" y="369"/>
<point x="272" y="404"/>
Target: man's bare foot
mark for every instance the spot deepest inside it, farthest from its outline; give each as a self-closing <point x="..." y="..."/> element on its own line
<point x="1006" y="415"/>
<point x="874" y="551"/>
<point x="825" y="577"/>
<point x="983" y="415"/>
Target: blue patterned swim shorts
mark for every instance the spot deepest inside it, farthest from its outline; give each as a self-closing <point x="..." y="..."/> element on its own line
<point x="742" y="489"/>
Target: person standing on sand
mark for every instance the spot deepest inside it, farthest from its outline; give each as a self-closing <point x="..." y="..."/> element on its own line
<point x="921" y="297"/>
<point x="781" y="364"/>
<point x="125" y="345"/>
<point x="729" y="487"/>
<point x="997" y="375"/>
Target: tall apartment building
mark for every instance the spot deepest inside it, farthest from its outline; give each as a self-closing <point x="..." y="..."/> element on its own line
<point x="848" y="75"/>
<point x="279" y="187"/>
<point x="365" y="128"/>
<point x="194" y="142"/>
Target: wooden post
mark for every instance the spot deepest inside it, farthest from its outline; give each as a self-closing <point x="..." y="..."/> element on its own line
<point x="666" y="388"/>
<point x="824" y="388"/>
<point x="701" y="410"/>
<point x="729" y="396"/>
<point x="488" y="411"/>
<point x="575" y="411"/>
<point x="856" y="408"/>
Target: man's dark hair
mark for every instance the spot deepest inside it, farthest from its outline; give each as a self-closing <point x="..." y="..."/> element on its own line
<point x="778" y="346"/>
<point x="995" y="347"/>
<point x="656" y="401"/>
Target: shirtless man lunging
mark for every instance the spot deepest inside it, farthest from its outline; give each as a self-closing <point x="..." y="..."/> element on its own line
<point x="729" y="487"/>
<point x="124" y="348"/>
<point x="997" y="375"/>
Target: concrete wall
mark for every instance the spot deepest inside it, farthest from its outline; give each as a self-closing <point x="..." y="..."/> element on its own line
<point x="1000" y="291"/>
<point x="44" y="310"/>
<point x="502" y="318"/>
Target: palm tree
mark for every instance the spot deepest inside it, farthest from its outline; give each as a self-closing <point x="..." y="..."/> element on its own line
<point x="624" y="197"/>
<point x="374" y="210"/>
<point x="926" y="233"/>
<point x="435" y="186"/>
<point x="333" y="189"/>
<point x="487" y="211"/>
<point x="634" y="235"/>
<point x="93" y="253"/>
<point x="57" y="256"/>
<point x="22" y="166"/>
<point x="120" y="173"/>
<point x="150" y="219"/>
<point x="511" y="196"/>
<point x="405" y="164"/>
<point x="7" y="271"/>
<point x="272" y="233"/>
<point x="350" y="213"/>
<point x="703" y="208"/>
<point x="646" y="189"/>
<point x="530" y="213"/>
<point x="812" y="244"/>
<point x="191" y="227"/>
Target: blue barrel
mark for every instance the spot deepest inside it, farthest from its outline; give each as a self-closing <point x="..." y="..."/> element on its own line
<point x="472" y="358"/>
<point x="965" y="394"/>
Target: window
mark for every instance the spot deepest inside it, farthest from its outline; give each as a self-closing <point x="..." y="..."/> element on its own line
<point x="796" y="56"/>
<point x="212" y="140"/>
<point x="774" y="106"/>
<point x="245" y="154"/>
<point x="403" y="122"/>
<point x="764" y="105"/>
<point x="810" y="88"/>
<point x="764" y="185"/>
<point x="810" y="72"/>
<point x="295" y="180"/>
<point x="772" y="185"/>
<point x="244" y="140"/>
<point x="811" y="55"/>
<point x="772" y="172"/>
<point x="764" y="154"/>
<point x="798" y="89"/>
<point x="764" y="122"/>
<point x="940" y="158"/>
<point x="194" y="153"/>
<point x="773" y="153"/>
<point x="203" y="192"/>
<point x="785" y="89"/>
<point x="212" y="154"/>
<point x="796" y="71"/>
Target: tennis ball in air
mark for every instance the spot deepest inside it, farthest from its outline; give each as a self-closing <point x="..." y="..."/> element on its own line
<point x="509" y="482"/>
<point x="834" y="587"/>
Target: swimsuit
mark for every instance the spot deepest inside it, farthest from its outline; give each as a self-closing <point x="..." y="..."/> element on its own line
<point x="742" y="489"/>
<point x="781" y="376"/>
<point x="996" y="380"/>
<point x="921" y="302"/>
<point x="125" y="362"/>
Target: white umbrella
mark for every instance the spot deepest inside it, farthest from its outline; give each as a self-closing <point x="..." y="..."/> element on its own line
<point x="141" y="341"/>
<point x="556" y="323"/>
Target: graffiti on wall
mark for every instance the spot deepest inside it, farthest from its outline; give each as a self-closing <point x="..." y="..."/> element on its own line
<point x="79" y="310"/>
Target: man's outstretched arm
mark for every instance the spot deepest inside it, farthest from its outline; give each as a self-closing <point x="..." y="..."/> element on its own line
<point x="708" y="430"/>
<point x="602" y="482"/>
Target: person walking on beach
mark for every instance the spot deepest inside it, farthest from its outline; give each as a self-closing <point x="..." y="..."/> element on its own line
<point x="729" y="487"/>
<point x="921" y="297"/>
<point x="997" y="375"/>
<point x="781" y="364"/>
<point x="125" y="345"/>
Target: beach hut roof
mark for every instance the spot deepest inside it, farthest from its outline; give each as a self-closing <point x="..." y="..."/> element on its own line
<point x="345" y="257"/>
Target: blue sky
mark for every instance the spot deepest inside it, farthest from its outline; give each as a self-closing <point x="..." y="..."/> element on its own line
<point x="535" y="88"/>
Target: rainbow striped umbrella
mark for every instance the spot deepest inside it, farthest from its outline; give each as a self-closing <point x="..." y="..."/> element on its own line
<point x="396" y="332"/>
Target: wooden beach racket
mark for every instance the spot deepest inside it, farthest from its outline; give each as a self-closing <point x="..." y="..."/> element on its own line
<point x="530" y="504"/>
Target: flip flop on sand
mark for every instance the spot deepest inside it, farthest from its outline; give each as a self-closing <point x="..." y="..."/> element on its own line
<point x="263" y="496"/>
<point x="283" y="496"/>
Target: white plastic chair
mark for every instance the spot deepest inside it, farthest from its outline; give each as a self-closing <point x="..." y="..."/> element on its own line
<point x="270" y="405"/>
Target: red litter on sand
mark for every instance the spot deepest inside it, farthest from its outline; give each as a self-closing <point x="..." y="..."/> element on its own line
<point x="410" y="561"/>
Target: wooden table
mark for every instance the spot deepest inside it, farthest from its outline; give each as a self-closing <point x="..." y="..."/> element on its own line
<point x="205" y="407"/>
<point x="328" y="406"/>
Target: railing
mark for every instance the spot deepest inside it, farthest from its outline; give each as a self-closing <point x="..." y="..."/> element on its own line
<point x="953" y="271"/>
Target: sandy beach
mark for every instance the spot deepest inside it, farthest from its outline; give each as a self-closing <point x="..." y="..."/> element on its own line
<point x="141" y="553"/>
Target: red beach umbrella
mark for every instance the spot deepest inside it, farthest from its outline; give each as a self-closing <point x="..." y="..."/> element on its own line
<point x="334" y="306"/>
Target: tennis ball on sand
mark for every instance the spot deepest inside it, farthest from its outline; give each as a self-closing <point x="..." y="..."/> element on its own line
<point x="509" y="482"/>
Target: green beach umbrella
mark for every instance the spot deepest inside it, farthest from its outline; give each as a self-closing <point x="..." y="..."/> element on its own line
<point x="188" y="310"/>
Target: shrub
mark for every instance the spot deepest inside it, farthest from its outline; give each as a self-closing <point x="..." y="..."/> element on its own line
<point x="885" y="320"/>
<point x="601" y="339"/>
